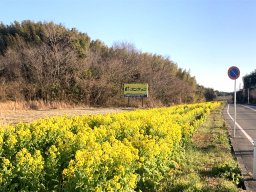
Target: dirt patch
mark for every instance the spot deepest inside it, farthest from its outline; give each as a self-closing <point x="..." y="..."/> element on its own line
<point x="15" y="116"/>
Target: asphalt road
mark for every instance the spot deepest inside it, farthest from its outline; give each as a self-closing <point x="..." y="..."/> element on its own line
<point x="245" y="135"/>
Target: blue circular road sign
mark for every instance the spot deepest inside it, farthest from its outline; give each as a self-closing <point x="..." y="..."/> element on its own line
<point x="233" y="72"/>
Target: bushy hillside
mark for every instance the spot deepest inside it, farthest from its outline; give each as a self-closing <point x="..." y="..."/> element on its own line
<point x="46" y="61"/>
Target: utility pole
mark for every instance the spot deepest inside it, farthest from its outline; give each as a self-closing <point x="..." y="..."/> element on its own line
<point x="248" y="96"/>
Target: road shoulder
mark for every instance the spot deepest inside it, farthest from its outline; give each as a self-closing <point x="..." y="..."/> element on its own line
<point x="243" y="152"/>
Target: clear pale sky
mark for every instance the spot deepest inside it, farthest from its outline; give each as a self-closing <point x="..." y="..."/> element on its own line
<point x="203" y="36"/>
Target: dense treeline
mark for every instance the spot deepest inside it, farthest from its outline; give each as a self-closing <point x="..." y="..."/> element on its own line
<point x="45" y="61"/>
<point x="250" y="80"/>
<point x="249" y="87"/>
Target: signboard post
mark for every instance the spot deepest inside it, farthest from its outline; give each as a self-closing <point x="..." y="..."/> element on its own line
<point x="139" y="90"/>
<point x="234" y="73"/>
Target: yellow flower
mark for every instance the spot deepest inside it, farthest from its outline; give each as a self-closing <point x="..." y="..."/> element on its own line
<point x="133" y="179"/>
<point x="121" y="169"/>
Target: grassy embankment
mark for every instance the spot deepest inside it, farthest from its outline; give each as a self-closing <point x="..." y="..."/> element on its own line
<point x="208" y="163"/>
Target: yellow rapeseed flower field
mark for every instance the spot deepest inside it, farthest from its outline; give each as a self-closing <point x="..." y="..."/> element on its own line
<point x="128" y="151"/>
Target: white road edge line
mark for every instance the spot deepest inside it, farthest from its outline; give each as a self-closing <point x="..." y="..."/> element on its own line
<point x="248" y="107"/>
<point x="241" y="129"/>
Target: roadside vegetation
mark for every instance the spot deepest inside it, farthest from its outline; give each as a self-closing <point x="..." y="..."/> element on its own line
<point x="207" y="163"/>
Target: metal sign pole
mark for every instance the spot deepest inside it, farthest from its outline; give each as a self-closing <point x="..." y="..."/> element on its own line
<point x="234" y="73"/>
<point x="235" y="109"/>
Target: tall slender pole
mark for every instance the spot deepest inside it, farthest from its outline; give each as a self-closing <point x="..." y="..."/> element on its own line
<point x="235" y="109"/>
<point x="248" y="96"/>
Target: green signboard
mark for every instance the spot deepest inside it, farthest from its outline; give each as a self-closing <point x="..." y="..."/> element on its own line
<point x="136" y="90"/>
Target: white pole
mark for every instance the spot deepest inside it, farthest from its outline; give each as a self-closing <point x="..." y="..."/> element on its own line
<point x="254" y="160"/>
<point x="235" y="109"/>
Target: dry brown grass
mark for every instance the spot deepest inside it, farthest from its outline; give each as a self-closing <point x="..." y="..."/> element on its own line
<point x="11" y="105"/>
<point x="14" y="112"/>
<point x="26" y="105"/>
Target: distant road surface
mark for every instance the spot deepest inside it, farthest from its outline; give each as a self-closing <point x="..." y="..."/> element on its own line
<point x="245" y="134"/>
